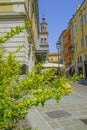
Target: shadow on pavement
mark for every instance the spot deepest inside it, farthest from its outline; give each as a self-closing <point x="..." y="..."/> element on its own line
<point x="83" y="81"/>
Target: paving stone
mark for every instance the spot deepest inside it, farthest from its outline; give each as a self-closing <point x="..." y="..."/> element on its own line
<point x="63" y="118"/>
<point x="69" y="128"/>
<point x="54" y="125"/>
<point x="70" y="108"/>
<point x="58" y="114"/>
<point x="84" y="112"/>
<point x="59" y="129"/>
<point x="68" y="123"/>
<point x="80" y="127"/>
<point x="77" y="120"/>
<point x="77" y="114"/>
<point x="47" y="118"/>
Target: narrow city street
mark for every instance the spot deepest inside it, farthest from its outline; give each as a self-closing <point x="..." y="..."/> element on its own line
<point x="37" y="36"/>
<point x="69" y="114"/>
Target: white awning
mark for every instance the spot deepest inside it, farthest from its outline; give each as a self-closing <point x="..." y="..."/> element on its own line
<point x="52" y="65"/>
<point x="71" y="66"/>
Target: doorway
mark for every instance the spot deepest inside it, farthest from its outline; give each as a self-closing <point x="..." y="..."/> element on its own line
<point x="86" y="71"/>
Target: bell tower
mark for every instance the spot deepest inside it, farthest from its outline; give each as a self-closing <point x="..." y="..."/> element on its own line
<point x="44" y="35"/>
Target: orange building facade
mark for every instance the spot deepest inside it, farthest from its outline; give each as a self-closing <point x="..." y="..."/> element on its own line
<point x="67" y="45"/>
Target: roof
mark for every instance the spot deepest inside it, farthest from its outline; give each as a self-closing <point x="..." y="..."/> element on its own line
<point x="54" y="54"/>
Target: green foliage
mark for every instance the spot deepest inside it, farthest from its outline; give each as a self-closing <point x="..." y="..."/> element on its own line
<point x="16" y="95"/>
<point x="10" y="34"/>
<point x="75" y="78"/>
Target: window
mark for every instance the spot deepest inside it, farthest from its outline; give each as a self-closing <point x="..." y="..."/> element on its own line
<point x="24" y="69"/>
<point x="69" y="47"/>
<point x="41" y="39"/>
<point x="85" y="56"/>
<point x="74" y="29"/>
<point x="28" y="6"/>
<point x="80" y="59"/>
<point x="86" y="40"/>
<point x="81" y="44"/>
<point x="80" y="22"/>
<point x="76" y="47"/>
<point x="44" y="40"/>
<point x="43" y="28"/>
<point x="69" y="37"/>
<point x="85" y="18"/>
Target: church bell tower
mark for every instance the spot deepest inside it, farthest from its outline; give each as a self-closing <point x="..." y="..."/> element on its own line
<point x="44" y="35"/>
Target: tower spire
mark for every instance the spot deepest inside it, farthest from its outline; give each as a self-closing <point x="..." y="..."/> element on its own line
<point x="43" y="17"/>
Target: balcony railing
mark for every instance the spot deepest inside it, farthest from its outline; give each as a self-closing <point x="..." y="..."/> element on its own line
<point x="71" y="48"/>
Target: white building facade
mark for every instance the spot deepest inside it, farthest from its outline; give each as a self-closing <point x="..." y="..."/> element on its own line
<point x="15" y="13"/>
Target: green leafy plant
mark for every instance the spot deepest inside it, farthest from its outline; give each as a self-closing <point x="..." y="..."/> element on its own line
<point x="16" y="95"/>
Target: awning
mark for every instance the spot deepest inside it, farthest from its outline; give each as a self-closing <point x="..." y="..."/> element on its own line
<point x="52" y="65"/>
<point x="71" y="66"/>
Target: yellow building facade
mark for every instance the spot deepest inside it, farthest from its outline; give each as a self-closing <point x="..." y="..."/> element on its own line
<point x="79" y="38"/>
<point x="53" y="57"/>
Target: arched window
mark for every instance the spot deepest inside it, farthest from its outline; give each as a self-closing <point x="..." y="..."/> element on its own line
<point x="45" y="40"/>
<point x="80" y="59"/>
<point x="51" y="59"/>
<point x="43" y="28"/>
<point x="41" y="39"/>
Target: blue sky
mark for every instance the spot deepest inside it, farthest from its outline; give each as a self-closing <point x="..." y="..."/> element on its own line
<point x="57" y="14"/>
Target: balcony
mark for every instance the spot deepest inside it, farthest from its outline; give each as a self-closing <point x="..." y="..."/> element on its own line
<point x="71" y="48"/>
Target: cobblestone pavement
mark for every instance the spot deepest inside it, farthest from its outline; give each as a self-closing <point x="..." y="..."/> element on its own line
<point x="69" y="114"/>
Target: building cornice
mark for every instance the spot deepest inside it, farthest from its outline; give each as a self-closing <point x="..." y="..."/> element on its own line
<point x="81" y="51"/>
<point x="12" y="15"/>
<point x="2" y="15"/>
<point x="44" y="45"/>
<point x="53" y="54"/>
<point x="44" y="33"/>
<point x="11" y="3"/>
<point x="78" y="12"/>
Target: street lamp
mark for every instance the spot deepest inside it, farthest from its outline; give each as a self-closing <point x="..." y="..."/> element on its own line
<point x="58" y="48"/>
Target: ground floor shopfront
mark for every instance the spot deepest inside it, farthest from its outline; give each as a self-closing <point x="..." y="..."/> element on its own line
<point x="81" y="68"/>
